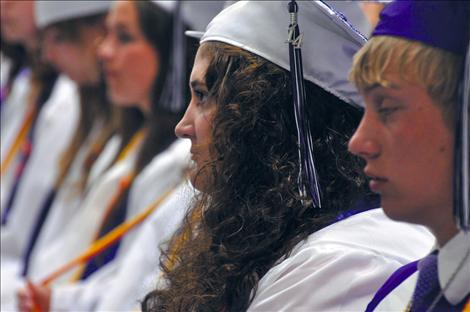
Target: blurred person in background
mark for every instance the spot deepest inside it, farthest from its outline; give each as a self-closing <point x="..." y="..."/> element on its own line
<point x="137" y="57"/>
<point x="12" y="61"/>
<point x="39" y="116"/>
<point x="70" y="34"/>
<point x="30" y="84"/>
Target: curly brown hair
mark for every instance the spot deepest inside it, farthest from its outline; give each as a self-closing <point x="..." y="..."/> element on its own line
<point x="252" y="214"/>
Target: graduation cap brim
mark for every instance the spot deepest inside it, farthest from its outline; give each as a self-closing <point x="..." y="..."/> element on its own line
<point x="194" y="34"/>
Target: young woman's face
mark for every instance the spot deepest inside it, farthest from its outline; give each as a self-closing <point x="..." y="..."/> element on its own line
<point x="58" y="51"/>
<point x="196" y="123"/>
<point x="17" y="21"/>
<point x="408" y="148"/>
<point x="130" y="62"/>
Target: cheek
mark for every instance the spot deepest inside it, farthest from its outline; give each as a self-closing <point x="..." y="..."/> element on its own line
<point x="145" y="71"/>
<point x="24" y="24"/>
<point x="424" y="159"/>
<point x="139" y="71"/>
<point x="204" y="126"/>
<point x="65" y="55"/>
<point x="59" y="57"/>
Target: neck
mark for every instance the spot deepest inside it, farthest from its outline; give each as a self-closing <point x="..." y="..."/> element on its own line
<point x="445" y="232"/>
<point x="31" y="44"/>
<point x="144" y="106"/>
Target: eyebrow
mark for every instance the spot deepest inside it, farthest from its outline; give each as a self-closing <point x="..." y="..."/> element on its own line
<point x="122" y="27"/>
<point x="378" y="85"/>
<point x="197" y="83"/>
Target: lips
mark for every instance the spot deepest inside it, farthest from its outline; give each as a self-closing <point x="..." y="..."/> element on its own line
<point x="110" y="74"/>
<point x="376" y="182"/>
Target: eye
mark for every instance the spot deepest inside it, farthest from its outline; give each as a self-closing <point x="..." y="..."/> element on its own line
<point x="124" y="37"/>
<point x="201" y="96"/>
<point x="387" y="108"/>
<point x="385" y="112"/>
<point x="58" y="38"/>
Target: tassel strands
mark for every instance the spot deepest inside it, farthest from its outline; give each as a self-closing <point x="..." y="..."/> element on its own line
<point x="308" y="178"/>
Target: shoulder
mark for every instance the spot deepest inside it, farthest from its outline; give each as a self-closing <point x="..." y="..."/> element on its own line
<point x="173" y="159"/>
<point x="64" y="94"/>
<point x="62" y="106"/>
<point x="341" y="266"/>
<point x="373" y="232"/>
<point x="164" y="172"/>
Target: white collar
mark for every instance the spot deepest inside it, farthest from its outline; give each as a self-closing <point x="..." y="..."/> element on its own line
<point x="453" y="254"/>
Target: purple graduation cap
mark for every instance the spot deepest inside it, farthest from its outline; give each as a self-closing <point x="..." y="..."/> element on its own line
<point x="444" y="25"/>
<point x="441" y="24"/>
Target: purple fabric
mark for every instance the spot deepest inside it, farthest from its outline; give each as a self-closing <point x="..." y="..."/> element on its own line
<point x="442" y="24"/>
<point x="427" y="287"/>
<point x="393" y="281"/>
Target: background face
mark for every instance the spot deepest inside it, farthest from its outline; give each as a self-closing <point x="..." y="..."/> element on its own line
<point x="408" y="148"/>
<point x="17" y="21"/>
<point x="130" y="62"/>
<point x="59" y="52"/>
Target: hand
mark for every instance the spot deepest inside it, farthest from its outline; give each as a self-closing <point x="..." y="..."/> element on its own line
<point x="34" y="298"/>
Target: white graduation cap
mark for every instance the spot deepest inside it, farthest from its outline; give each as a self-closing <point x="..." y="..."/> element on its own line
<point x="48" y="12"/>
<point x="195" y="14"/>
<point x="328" y="40"/>
<point x="351" y="9"/>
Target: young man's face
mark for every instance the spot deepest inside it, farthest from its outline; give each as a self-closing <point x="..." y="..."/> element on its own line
<point x="408" y="148"/>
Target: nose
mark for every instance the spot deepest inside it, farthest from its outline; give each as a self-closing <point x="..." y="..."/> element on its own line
<point x="185" y="127"/>
<point x="363" y="143"/>
<point x="104" y="49"/>
<point x="98" y="41"/>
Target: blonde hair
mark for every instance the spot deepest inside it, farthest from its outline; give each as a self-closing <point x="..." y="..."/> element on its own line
<point x="436" y="70"/>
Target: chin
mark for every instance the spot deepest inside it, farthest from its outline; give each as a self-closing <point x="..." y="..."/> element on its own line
<point x="198" y="180"/>
<point x="401" y="212"/>
<point x="119" y="100"/>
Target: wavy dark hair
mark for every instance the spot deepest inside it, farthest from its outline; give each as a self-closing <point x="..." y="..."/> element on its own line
<point x="251" y="214"/>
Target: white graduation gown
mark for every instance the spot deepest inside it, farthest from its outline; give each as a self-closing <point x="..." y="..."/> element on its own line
<point x="113" y="280"/>
<point x="340" y="267"/>
<point x="10" y="273"/>
<point x="54" y="128"/>
<point x="52" y="133"/>
<point x="14" y="111"/>
<point x="135" y="272"/>
<point x="81" y="230"/>
<point x="69" y="197"/>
